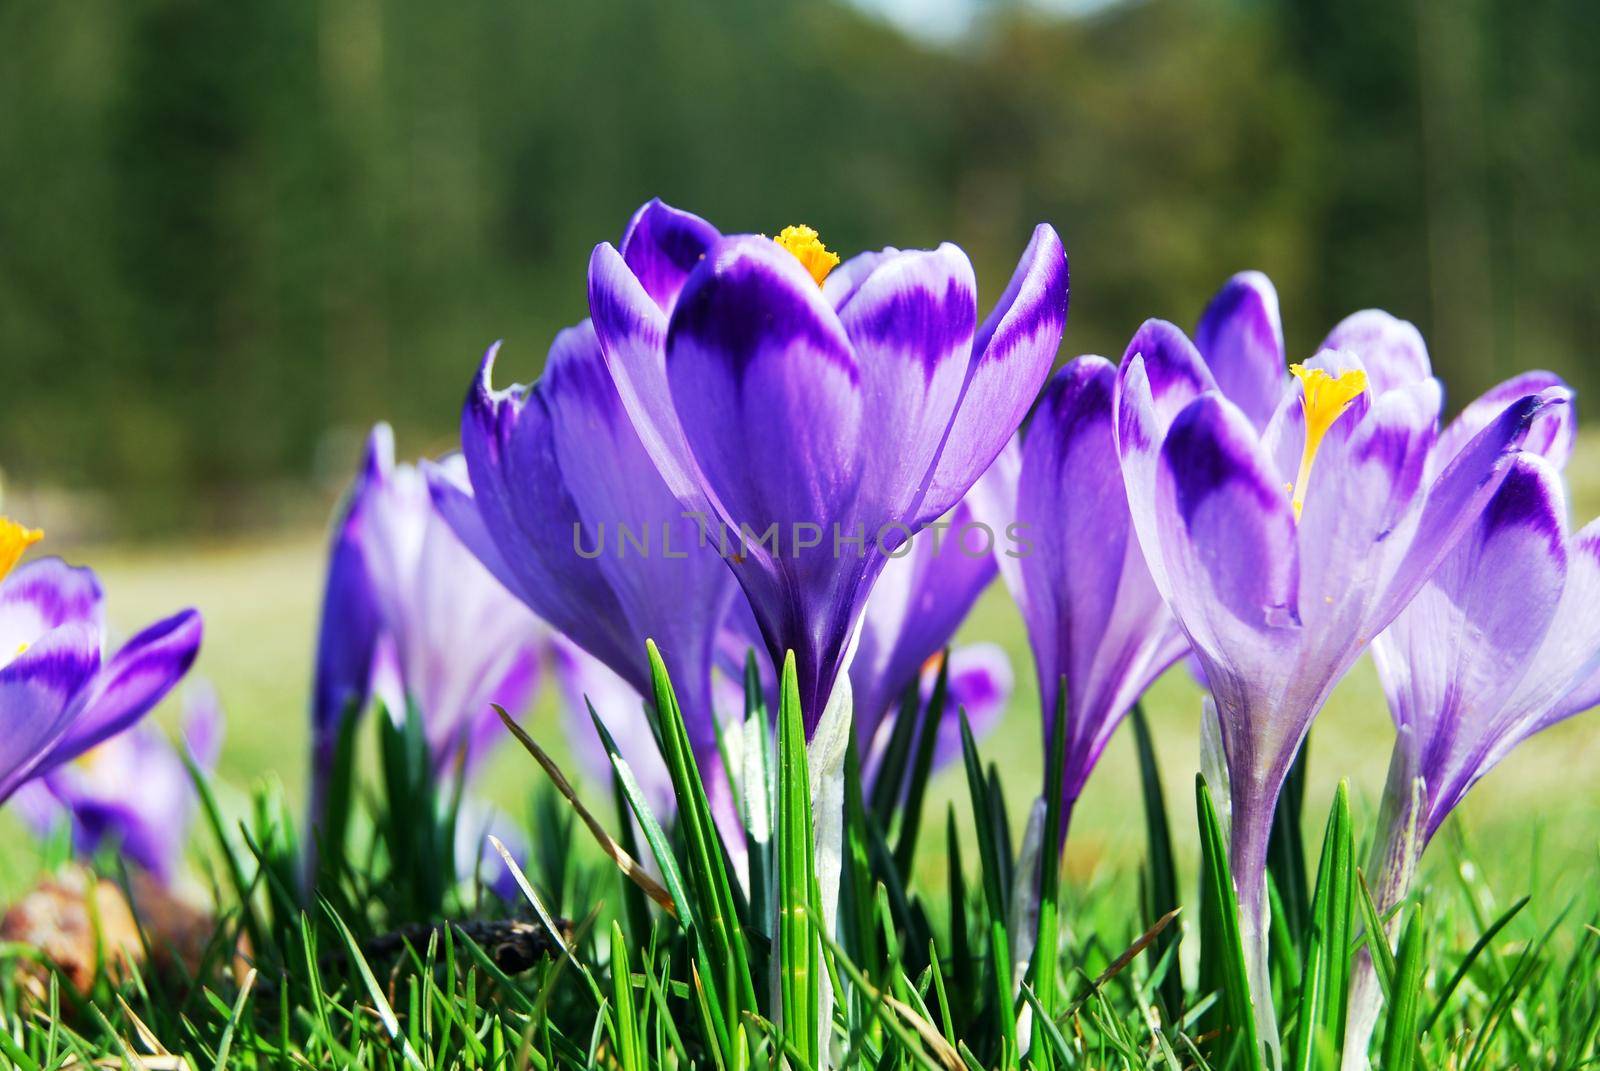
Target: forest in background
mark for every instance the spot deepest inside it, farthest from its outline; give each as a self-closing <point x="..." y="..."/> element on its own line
<point x="232" y="235"/>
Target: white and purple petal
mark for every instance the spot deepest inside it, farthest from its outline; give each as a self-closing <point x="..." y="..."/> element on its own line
<point x="128" y="685"/>
<point x="1391" y="350"/>
<point x="1240" y="335"/>
<point x="1011" y="356"/>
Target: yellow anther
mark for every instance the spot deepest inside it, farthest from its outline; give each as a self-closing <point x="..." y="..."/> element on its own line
<point x="808" y="249"/>
<point x="14" y="540"/>
<point x="1324" y="399"/>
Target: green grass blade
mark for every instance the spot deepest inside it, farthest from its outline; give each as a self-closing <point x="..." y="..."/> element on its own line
<point x="1222" y="942"/>
<point x="1375" y="936"/>
<point x="623" y="1017"/>
<point x="1286" y="853"/>
<point x="1466" y="963"/>
<point x="921" y="767"/>
<point x="717" y="906"/>
<point x="654" y="835"/>
<point x="896" y="753"/>
<point x="1161" y="888"/>
<point x="1043" y="969"/>
<point x="1325" y="981"/>
<point x="799" y="960"/>
<point x="380" y="1003"/>
<point x="1405" y="1004"/>
<point x="990" y="854"/>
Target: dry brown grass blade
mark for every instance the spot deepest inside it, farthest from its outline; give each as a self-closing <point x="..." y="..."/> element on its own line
<point x="141" y="1031"/>
<point x="1120" y="962"/>
<point x="626" y="863"/>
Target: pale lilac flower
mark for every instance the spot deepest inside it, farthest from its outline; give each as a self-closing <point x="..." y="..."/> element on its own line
<point x="1279" y="573"/>
<point x="409" y="614"/>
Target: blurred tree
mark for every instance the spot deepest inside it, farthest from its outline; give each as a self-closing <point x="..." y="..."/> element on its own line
<point x="233" y="234"/>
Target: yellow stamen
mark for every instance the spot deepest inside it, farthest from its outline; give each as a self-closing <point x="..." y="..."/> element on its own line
<point x="808" y="249"/>
<point x="1324" y="399"/>
<point x="14" y="540"/>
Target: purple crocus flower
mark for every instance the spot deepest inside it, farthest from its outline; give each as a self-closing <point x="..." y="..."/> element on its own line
<point x="565" y="506"/>
<point x="95" y="792"/>
<point x="58" y="695"/>
<point x="922" y="597"/>
<point x="1500" y="644"/>
<point x="829" y="416"/>
<point x="1094" y="617"/>
<point x="411" y="615"/>
<point x="1280" y="574"/>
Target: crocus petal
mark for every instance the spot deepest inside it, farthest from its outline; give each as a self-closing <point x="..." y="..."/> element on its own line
<point x="451" y="494"/>
<point x="1227" y="534"/>
<point x="669" y="585"/>
<point x="1011" y="357"/>
<point x="508" y="440"/>
<point x="980" y="683"/>
<point x="203" y="724"/>
<point x="1452" y="659"/>
<point x="38" y="690"/>
<point x="1391" y="350"/>
<point x="349" y="623"/>
<point x="843" y="281"/>
<point x="1571" y="653"/>
<point x="917" y="604"/>
<point x="1094" y="615"/>
<point x="1456" y="498"/>
<point x="1241" y="337"/>
<point x="632" y="330"/>
<point x="911" y="324"/>
<point x="1161" y="372"/>
<point x="1361" y="499"/>
<point x="662" y="245"/>
<point x="770" y="395"/>
<point x="1551" y="434"/>
<point x="135" y="679"/>
<point x="767" y="386"/>
<point x="44" y="594"/>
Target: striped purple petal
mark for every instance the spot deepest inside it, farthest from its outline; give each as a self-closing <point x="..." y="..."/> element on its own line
<point x="1011" y="357"/>
<point x="1240" y="335"/>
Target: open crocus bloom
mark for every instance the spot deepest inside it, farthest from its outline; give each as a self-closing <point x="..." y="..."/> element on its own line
<point x="58" y="696"/>
<point x="923" y="596"/>
<point x="828" y="422"/>
<point x="411" y="615"/>
<point x="1500" y="644"/>
<point x="1094" y="617"/>
<point x="92" y="793"/>
<point x="1283" y="552"/>
<point x="566" y="508"/>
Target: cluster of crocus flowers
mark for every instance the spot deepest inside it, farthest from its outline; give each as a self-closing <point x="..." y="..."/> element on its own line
<point x="409" y="615"/>
<point x="60" y="695"/>
<point x="1284" y="548"/>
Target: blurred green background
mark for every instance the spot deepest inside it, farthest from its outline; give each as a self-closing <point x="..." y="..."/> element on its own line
<point x="232" y="235"/>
